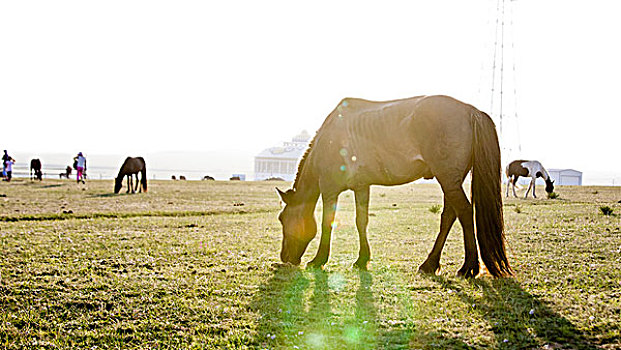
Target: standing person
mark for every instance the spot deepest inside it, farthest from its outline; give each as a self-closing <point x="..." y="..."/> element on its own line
<point x="80" y="162"/>
<point x="8" y="166"/>
<point x="5" y="157"/>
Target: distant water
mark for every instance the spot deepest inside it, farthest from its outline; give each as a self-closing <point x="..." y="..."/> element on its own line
<point x="52" y="171"/>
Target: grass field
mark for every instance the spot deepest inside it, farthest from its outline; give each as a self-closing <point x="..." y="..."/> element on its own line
<point x="195" y="265"/>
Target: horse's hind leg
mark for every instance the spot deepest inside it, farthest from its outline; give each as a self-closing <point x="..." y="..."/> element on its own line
<point x="456" y="198"/>
<point x="362" y="220"/>
<point x="432" y="264"/>
<point x="136" y="184"/>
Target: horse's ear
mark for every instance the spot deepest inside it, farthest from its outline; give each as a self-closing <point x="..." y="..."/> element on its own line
<point x="281" y="194"/>
<point x="285" y="196"/>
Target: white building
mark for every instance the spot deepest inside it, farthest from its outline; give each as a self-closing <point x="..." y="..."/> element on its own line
<point x="566" y="177"/>
<point x="281" y="161"/>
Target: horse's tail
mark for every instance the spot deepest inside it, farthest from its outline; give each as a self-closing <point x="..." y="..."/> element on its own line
<point x="143" y="176"/>
<point x="486" y="197"/>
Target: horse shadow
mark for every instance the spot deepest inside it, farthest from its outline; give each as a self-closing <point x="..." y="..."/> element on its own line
<point x="52" y="186"/>
<point x="296" y="308"/>
<point x="517" y="318"/>
<point x="106" y="195"/>
<point x="303" y="308"/>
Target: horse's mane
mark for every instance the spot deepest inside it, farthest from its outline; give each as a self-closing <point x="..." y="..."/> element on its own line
<point x="302" y="163"/>
<point x="303" y="160"/>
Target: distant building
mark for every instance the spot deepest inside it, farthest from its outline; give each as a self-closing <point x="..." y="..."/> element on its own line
<point x="566" y="177"/>
<point x="281" y="161"/>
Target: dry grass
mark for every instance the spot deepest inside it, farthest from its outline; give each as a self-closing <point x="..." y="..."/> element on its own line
<point x="186" y="265"/>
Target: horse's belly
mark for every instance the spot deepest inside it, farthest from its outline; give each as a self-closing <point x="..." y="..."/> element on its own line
<point x="390" y="171"/>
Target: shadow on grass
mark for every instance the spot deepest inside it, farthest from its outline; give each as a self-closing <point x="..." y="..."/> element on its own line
<point x="518" y="319"/>
<point x="52" y="186"/>
<point x="315" y="310"/>
<point x="106" y="195"/>
<point x="298" y="308"/>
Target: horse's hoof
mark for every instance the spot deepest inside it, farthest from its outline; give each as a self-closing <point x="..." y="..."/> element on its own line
<point x="428" y="268"/>
<point x="469" y="270"/>
<point x="316" y="264"/>
<point x="361" y="265"/>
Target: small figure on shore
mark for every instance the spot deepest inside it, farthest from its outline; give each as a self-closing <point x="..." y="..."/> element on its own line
<point x="79" y="162"/>
<point x="5" y="157"/>
<point x="67" y="172"/>
<point x="8" y="166"/>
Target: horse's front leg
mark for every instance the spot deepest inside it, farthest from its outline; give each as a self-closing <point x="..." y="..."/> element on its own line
<point x="129" y="183"/>
<point x="136" y="184"/>
<point x="514" y="181"/>
<point x="362" y="220"/>
<point x="530" y="185"/>
<point x="329" y="211"/>
<point x="432" y="264"/>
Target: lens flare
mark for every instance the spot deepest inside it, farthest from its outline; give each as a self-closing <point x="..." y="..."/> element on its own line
<point x="315" y="341"/>
<point x="352" y="335"/>
<point x="343" y="152"/>
<point x="353" y="158"/>
<point x="336" y="282"/>
<point x="343" y="168"/>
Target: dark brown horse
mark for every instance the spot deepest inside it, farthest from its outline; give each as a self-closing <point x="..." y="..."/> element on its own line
<point x="132" y="166"/>
<point x="35" y="167"/>
<point x="363" y="143"/>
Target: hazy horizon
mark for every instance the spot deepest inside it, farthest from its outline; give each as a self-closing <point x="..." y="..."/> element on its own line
<point x="231" y="79"/>
<point x="195" y="165"/>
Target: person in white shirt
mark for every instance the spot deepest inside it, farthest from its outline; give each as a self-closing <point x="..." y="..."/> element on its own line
<point x="8" y="164"/>
<point x="80" y="162"/>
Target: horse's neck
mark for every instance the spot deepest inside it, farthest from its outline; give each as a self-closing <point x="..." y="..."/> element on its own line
<point x="307" y="186"/>
<point x="544" y="172"/>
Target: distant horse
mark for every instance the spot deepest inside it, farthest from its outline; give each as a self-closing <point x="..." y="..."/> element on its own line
<point x="527" y="168"/>
<point x="35" y="167"/>
<point x="181" y="177"/>
<point x="173" y="177"/>
<point x="209" y="178"/>
<point x="132" y="166"/>
<point x="66" y="173"/>
<point x="363" y="143"/>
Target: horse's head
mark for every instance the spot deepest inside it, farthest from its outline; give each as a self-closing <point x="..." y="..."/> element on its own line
<point x="118" y="183"/>
<point x="549" y="185"/>
<point x="298" y="227"/>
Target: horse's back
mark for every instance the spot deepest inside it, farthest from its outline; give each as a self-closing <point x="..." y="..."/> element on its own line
<point x="388" y="142"/>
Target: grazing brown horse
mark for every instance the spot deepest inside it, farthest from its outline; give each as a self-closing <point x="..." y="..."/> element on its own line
<point x="132" y="166"/>
<point x="363" y="143"/>
<point x="35" y="166"/>
<point x="66" y="173"/>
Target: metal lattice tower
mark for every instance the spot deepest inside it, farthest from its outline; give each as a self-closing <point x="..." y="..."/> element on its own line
<point x="503" y="105"/>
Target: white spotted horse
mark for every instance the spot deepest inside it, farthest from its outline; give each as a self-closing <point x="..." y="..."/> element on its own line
<point x="527" y="168"/>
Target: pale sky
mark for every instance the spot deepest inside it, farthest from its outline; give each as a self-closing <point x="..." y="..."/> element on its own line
<point x="128" y="77"/>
